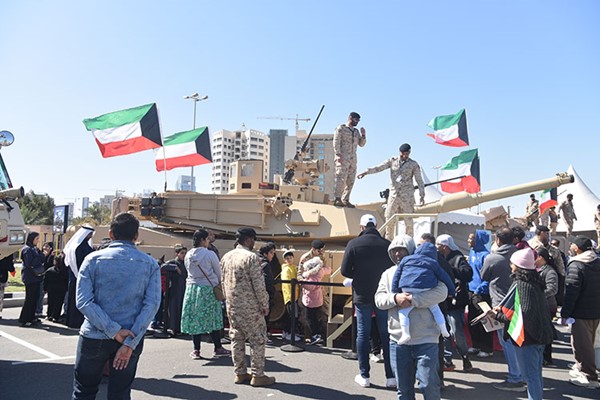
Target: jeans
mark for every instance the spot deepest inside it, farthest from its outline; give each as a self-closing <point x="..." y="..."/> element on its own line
<point x="508" y="348"/>
<point x="92" y="354"/>
<point x="423" y="357"/>
<point x="530" y="360"/>
<point x="364" y="313"/>
<point x="456" y="320"/>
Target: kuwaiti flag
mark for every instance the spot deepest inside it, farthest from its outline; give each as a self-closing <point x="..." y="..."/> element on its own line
<point x="465" y="168"/>
<point x="184" y="149"/>
<point x="450" y="130"/>
<point x="126" y="131"/>
<point x="511" y="308"/>
<point x="548" y="199"/>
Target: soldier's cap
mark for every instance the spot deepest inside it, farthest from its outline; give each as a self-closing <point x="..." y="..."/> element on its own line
<point x="368" y="219"/>
<point x="288" y="253"/>
<point x="446" y="240"/>
<point x="404" y="147"/>
<point x="542" y="228"/>
<point x="317" y="244"/>
<point x="354" y="115"/>
<point x="584" y="243"/>
<point x="243" y="233"/>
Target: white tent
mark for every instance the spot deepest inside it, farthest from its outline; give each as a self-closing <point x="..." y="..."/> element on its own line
<point x="585" y="203"/>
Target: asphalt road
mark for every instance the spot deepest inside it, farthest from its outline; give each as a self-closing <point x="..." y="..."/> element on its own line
<point x="37" y="363"/>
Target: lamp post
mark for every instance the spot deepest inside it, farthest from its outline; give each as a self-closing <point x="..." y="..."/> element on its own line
<point x="196" y="98"/>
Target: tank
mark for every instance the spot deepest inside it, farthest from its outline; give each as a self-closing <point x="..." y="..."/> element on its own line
<point x="12" y="226"/>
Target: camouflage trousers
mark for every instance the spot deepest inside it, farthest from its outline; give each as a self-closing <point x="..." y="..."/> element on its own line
<point x="399" y="202"/>
<point x="569" y="223"/>
<point x="345" y="175"/>
<point x="254" y="330"/>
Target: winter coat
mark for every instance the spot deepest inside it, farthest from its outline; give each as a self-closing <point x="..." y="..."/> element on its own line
<point x="476" y="256"/>
<point x="365" y="259"/>
<point x="462" y="276"/>
<point x="582" y="287"/>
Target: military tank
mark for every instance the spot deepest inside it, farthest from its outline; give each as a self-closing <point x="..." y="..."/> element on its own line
<point x="12" y="226"/>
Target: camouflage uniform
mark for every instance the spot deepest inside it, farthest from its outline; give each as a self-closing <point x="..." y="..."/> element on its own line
<point x="247" y="296"/>
<point x="545" y="217"/>
<point x="345" y="141"/>
<point x="553" y="220"/>
<point x="532" y="212"/>
<point x="402" y="190"/>
<point x="568" y="214"/>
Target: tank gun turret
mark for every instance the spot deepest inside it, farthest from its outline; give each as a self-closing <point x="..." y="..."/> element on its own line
<point x="457" y="201"/>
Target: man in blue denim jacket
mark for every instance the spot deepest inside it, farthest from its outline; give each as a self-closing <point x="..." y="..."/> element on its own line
<point x="118" y="292"/>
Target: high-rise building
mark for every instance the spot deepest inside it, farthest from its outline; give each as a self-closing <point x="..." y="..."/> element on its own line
<point x="229" y="146"/>
<point x="81" y="206"/>
<point x="184" y="182"/>
<point x="320" y="147"/>
<point x="283" y="148"/>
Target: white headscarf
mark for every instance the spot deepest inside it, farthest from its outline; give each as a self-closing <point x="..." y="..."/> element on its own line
<point x="73" y="244"/>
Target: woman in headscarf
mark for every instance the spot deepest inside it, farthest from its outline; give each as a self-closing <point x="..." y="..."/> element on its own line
<point x="75" y="251"/>
<point x="32" y="259"/>
<point x="201" y="309"/>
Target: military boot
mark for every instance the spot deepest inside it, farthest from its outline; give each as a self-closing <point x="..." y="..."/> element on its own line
<point x="338" y="202"/>
<point x="262" y="380"/>
<point x="243" y="378"/>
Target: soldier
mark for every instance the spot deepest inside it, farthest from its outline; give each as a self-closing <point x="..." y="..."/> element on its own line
<point x="401" y="198"/>
<point x="568" y="213"/>
<point x="532" y="211"/>
<point x="345" y="140"/>
<point x="553" y="216"/>
<point x="247" y="305"/>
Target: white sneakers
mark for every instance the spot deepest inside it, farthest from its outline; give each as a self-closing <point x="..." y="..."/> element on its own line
<point x="377" y="358"/>
<point x="579" y="379"/>
<point x="363" y="382"/>
<point x="391" y="383"/>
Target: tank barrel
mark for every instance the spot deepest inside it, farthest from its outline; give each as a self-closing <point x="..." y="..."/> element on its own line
<point x="457" y="201"/>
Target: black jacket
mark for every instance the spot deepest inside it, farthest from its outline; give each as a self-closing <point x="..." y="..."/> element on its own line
<point x="462" y="276"/>
<point x="582" y="290"/>
<point x="365" y="259"/>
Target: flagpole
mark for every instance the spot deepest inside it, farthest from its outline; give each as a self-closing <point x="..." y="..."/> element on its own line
<point x="162" y="141"/>
<point x="196" y="98"/>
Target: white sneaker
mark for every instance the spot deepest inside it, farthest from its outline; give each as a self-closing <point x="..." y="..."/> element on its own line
<point x="376" y="358"/>
<point x="364" y="382"/>
<point x="575" y="373"/>
<point x="391" y="383"/>
<point x="582" y="381"/>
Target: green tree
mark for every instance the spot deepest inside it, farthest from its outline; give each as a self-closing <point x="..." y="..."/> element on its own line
<point x="97" y="214"/>
<point x="37" y="209"/>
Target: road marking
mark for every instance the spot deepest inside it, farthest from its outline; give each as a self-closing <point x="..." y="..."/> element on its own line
<point x="41" y="360"/>
<point x="29" y="346"/>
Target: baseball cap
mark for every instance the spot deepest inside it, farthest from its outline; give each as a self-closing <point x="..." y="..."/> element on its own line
<point x="523" y="258"/>
<point x="367" y="218"/>
<point x="583" y="243"/>
<point x="446" y="240"/>
<point x="288" y="253"/>
<point x="317" y="244"/>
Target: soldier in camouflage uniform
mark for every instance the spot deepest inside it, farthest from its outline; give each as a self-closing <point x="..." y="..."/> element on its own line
<point x="401" y="198"/>
<point x="568" y="213"/>
<point x="532" y="211"/>
<point x="345" y="140"/>
<point x="247" y="305"/>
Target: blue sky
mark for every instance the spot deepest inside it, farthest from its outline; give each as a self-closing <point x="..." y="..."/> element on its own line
<point x="526" y="71"/>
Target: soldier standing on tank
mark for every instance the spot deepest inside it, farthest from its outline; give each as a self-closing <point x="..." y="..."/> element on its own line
<point x="532" y="211"/>
<point x="247" y="306"/>
<point x="345" y="140"/>
<point x="401" y="198"/>
<point x="568" y="213"/>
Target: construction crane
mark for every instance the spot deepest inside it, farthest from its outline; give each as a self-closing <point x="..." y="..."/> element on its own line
<point x="288" y="118"/>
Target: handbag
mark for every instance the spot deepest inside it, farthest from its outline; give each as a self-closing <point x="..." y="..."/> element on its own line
<point x="217" y="289"/>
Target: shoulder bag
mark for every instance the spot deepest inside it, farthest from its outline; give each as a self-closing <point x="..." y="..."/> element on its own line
<point x="217" y="289"/>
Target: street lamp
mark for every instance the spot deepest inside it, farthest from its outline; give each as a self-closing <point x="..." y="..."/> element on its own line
<point x="196" y="98"/>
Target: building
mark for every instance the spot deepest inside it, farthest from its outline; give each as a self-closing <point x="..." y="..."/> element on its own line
<point x="184" y="182"/>
<point x="283" y="147"/>
<point x="107" y="200"/>
<point x="80" y="207"/>
<point x="320" y="147"/>
<point x="229" y="146"/>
